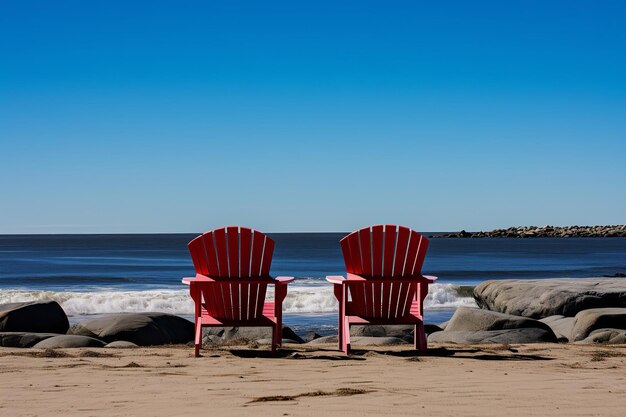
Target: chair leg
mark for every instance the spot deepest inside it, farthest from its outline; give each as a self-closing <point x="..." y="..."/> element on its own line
<point x="340" y="332"/>
<point x="346" y="336"/>
<point x="198" y="340"/>
<point x="276" y="337"/>
<point x="419" y="337"/>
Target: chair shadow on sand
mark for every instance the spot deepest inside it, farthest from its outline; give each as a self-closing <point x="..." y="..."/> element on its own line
<point x="467" y="353"/>
<point x="508" y="354"/>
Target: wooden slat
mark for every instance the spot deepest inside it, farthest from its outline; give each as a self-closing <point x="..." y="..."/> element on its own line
<point x="209" y="247"/>
<point x="268" y="252"/>
<point x="206" y="300"/>
<point x="418" y="238"/>
<point x="378" y="293"/>
<point x="258" y="240"/>
<point x="355" y="253"/>
<point x="347" y="257"/>
<point x="408" y="299"/>
<point x="245" y="240"/>
<point x="411" y="255"/>
<point x="228" y="303"/>
<point x="366" y="251"/>
<point x="233" y="251"/>
<point x="389" y="249"/>
<point x="198" y="255"/>
<point x="396" y="296"/>
<point x="253" y="290"/>
<point x="377" y="250"/>
<point x="222" y="252"/>
<point x="368" y="298"/>
<point x="421" y="255"/>
<point x="401" y="249"/>
<point x="219" y="300"/>
<point x="232" y="238"/>
<point x="261" y="299"/>
<point x="356" y="293"/>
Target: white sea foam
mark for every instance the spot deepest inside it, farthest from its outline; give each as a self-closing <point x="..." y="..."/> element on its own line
<point x="308" y="298"/>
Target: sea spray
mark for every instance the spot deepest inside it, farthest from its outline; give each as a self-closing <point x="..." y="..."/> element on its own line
<point x="302" y="299"/>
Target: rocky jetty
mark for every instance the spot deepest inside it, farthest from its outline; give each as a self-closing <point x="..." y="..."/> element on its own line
<point x="544" y="231"/>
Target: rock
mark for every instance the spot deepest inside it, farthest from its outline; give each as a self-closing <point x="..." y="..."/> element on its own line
<point x="324" y="339"/>
<point x="431" y="328"/>
<point x="143" y="329"/>
<point x="33" y="317"/>
<point x="401" y="331"/>
<point x="121" y="344"/>
<point x="549" y="297"/>
<point x="608" y="336"/>
<point x="268" y="341"/>
<point x="249" y="333"/>
<point x="211" y="339"/>
<point x="468" y="319"/>
<point x="507" y="336"/>
<point x="598" y="318"/>
<point x="310" y="336"/>
<point x="561" y="326"/>
<point x="69" y="341"/>
<point x="22" y="339"/>
<point x="362" y="340"/>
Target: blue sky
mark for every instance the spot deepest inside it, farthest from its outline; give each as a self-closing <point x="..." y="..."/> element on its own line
<point x="310" y="116"/>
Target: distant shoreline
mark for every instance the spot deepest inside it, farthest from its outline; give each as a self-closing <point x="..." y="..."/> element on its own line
<point x="542" y="232"/>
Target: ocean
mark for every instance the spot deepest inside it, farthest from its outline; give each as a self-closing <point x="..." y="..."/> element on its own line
<point x="98" y="274"/>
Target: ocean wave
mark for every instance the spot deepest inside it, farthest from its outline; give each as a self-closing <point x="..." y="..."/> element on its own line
<point x="300" y="299"/>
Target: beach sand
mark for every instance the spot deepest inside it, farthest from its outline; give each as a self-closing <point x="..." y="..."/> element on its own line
<point x="454" y="380"/>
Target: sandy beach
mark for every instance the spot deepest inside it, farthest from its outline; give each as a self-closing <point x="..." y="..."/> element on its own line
<point x="454" y="380"/>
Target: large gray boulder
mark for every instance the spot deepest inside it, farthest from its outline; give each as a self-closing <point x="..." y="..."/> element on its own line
<point x="143" y="329"/>
<point x="505" y="336"/>
<point x="473" y="325"/>
<point x="69" y="341"/>
<point x="33" y="317"/>
<point x="561" y="326"/>
<point x="468" y="319"/>
<point x="598" y="318"/>
<point x="22" y="339"/>
<point x="608" y="336"/>
<point x="549" y="297"/>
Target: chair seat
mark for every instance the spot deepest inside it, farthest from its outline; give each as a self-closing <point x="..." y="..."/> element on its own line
<point x="267" y="319"/>
<point x="410" y="319"/>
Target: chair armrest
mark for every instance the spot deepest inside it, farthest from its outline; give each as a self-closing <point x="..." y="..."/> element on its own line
<point x="198" y="277"/>
<point x="284" y="280"/>
<point x="431" y="279"/>
<point x="335" y="279"/>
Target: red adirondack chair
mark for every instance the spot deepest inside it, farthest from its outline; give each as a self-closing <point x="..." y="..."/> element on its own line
<point x="384" y="284"/>
<point x="232" y="274"/>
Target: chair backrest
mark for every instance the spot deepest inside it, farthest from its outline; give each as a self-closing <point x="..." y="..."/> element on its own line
<point x="382" y="253"/>
<point x="236" y="253"/>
